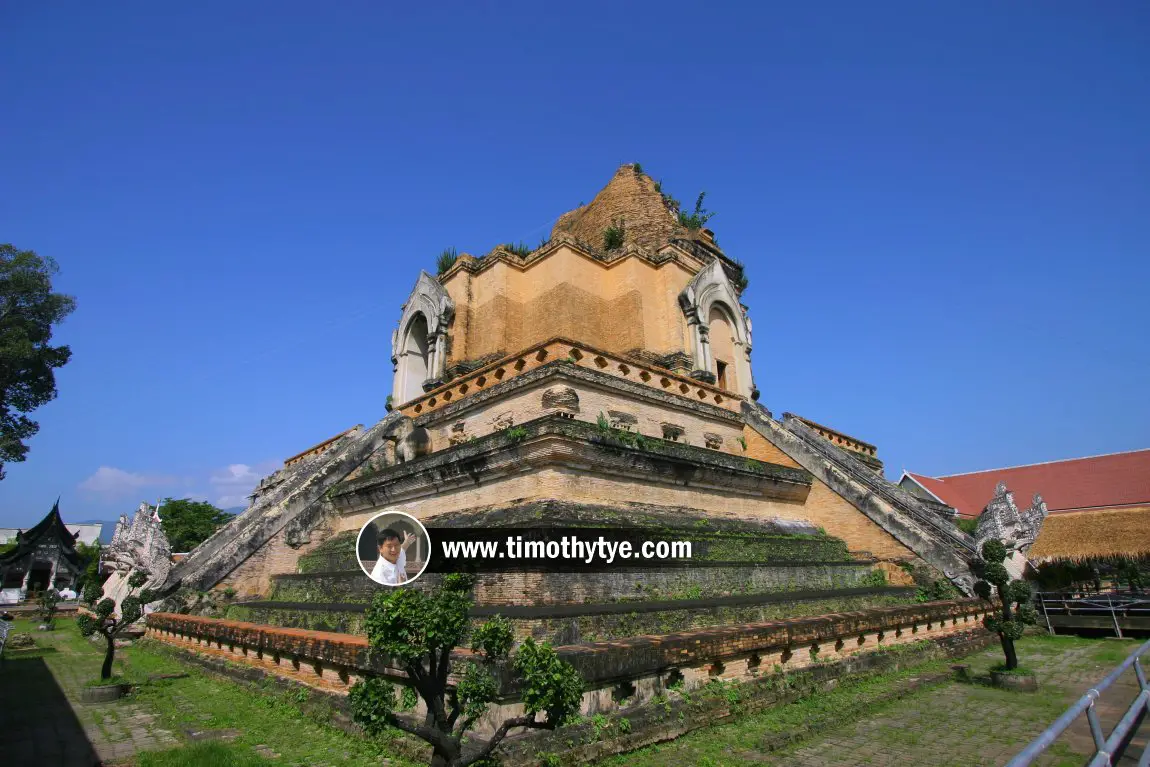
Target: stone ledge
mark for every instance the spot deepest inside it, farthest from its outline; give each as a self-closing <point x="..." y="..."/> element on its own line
<point x="330" y="659"/>
<point x="555" y="440"/>
<point x="649" y="723"/>
<point x="610" y="608"/>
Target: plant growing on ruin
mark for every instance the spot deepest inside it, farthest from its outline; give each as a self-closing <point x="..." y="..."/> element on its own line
<point x="104" y="621"/>
<point x="697" y="219"/>
<point x="741" y="282"/>
<point x="418" y="633"/>
<point x="446" y="260"/>
<point x="613" y="235"/>
<point x="522" y="249"/>
<point x="1013" y="605"/>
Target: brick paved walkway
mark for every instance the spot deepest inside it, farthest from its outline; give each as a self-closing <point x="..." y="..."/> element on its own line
<point x="961" y="725"/>
<point x="43" y="722"/>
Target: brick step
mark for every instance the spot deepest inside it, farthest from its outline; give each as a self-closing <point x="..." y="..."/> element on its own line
<point x="621" y="584"/>
<point x="574" y="623"/>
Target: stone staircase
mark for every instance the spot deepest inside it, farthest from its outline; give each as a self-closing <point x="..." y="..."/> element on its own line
<point x="780" y="573"/>
<point x="294" y="505"/>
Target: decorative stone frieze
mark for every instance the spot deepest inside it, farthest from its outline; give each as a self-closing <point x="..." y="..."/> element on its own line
<point x="621" y="420"/>
<point x="562" y="398"/>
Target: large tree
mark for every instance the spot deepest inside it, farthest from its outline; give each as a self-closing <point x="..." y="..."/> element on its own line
<point x="28" y="311"/>
<point x="189" y="523"/>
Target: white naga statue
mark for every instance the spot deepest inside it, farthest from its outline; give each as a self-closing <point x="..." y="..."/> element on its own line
<point x="1016" y="529"/>
<point x="137" y="545"/>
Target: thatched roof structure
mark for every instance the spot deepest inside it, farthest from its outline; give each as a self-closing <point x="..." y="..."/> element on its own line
<point x="1083" y="535"/>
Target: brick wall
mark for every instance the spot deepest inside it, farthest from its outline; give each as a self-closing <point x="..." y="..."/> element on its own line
<point x="253" y="576"/>
<point x="739" y="653"/>
<point x="626" y="304"/>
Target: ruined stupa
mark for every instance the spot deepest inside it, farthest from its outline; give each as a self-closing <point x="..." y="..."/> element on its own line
<point x="602" y="378"/>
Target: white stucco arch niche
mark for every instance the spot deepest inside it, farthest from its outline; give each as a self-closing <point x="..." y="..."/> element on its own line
<point x="711" y="305"/>
<point x="419" y="342"/>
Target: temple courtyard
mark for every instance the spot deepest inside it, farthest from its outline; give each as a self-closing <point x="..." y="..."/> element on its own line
<point x="918" y="715"/>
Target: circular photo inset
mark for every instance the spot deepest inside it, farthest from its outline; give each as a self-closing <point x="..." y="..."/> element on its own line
<point x="392" y="548"/>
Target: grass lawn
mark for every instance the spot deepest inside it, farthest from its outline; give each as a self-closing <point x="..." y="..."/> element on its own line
<point x="269" y="721"/>
<point x="202" y="755"/>
<point x="260" y="727"/>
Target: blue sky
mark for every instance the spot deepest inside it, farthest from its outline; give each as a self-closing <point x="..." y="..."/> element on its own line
<point x="942" y="208"/>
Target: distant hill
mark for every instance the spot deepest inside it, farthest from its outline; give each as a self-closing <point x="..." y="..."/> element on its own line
<point x="235" y="510"/>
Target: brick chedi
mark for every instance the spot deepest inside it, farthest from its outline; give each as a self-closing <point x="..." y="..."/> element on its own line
<point x="595" y="381"/>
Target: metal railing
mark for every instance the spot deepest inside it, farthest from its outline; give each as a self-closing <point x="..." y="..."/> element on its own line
<point x="1107" y="751"/>
<point x="1113" y="604"/>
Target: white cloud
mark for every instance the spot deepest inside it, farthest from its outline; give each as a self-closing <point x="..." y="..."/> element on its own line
<point x="234" y="483"/>
<point x="111" y="482"/>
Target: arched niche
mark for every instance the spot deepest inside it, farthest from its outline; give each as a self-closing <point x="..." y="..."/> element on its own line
<point x="413" y="355"/>
<point x="721" y="336"/>
<point x="720" y="332"/>
<point x="419" y="343"/>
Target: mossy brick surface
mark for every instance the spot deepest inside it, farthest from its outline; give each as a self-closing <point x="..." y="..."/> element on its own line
<point x="620" y="584"/>
<point x="574" y="623"/>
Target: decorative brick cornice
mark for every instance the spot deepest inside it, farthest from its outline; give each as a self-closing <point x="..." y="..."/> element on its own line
<point x="564" y="370"/>
<point x="619" y="367"/>
<point x="556" y="440"/>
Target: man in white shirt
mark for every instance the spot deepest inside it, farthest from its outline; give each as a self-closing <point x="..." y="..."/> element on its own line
<point x="391" y="567"/>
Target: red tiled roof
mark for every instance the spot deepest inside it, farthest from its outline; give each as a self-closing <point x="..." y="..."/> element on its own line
<point x="1104" y="481"/>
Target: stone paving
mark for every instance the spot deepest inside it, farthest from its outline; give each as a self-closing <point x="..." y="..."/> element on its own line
<point x="963" y="725"/>
<point x="43" y="722"/>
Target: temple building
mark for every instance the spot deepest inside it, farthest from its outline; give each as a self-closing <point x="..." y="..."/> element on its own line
<point x="1099" y="506"/>
<point x="604" y="378"/>
<point x="44" y="557"/>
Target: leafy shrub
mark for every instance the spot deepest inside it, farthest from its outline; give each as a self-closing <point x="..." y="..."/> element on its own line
<point x="418" y="632"/>
<point x="614" y="235"/>
<point x="1014" y="607"/>
<point x="699" y="218"/>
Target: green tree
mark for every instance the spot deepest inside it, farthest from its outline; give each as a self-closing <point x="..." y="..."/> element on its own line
<point x="28" y="311"/>
<point x="104" y="621"/>
<point x="49" y="599"/>
<point x="89" y="564"/>
<point x="189" y="523"/>
<point x="418" y="633"/>
<point x="1015" y="611"/>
